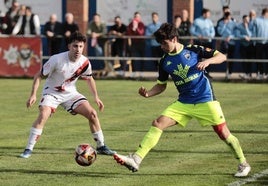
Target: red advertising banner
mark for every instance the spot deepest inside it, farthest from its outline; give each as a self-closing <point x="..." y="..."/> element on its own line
<point x="20" y="56"/>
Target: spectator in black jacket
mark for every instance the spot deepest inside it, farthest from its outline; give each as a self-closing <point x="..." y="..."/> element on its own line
<point x="185" y="26"/>
<point x="53" y="31"/>
<point x="28" y="24"/>
<point x="12" y="17"/>
<point x="69" y="27"/>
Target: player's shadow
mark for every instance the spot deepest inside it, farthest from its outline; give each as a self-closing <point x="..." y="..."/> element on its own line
<point x="190" y="151"/>
<point x="65" y="173"/>
<point x="15" y="151"/>
<point x="96" y="174"/>
<point x="104" y="174"/>
<point x="194" y="131"/>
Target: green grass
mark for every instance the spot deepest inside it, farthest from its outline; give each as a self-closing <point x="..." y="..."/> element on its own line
<point x="184" y="156"/>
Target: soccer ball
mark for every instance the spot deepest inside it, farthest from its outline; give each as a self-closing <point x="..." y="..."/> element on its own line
<point x="85" y="154"/>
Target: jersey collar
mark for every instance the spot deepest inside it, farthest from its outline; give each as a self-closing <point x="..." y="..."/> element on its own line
<point x="179" y="51"/>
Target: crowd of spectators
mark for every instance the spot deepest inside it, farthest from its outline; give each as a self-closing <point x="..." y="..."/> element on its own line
<point x="250" y="36"/>
<point x="21" y="20"/>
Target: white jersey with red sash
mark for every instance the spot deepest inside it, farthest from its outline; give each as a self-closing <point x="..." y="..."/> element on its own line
<point x="63" y="73"/>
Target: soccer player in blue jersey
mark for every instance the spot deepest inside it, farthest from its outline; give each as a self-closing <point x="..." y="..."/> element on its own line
<point x="196" y="97"/>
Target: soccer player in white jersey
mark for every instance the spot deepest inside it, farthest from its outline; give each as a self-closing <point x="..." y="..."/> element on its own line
<point x="62" y="71"/>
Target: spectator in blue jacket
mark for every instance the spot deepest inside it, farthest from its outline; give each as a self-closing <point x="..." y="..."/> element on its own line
<point x="252" y="17"/>
<point x="150" y="29"/>
<point x="243" y="32"/>
<point x="203" y="28"/>
<point x="260" y="27"/>
<point x="226" y="29"/>
<point x="224" y="10"/>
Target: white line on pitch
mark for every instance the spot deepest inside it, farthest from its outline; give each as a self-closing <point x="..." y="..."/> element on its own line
<point x="250" y="179"/>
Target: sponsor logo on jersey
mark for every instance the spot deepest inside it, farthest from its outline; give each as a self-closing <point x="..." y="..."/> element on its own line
<point x="182" y="72"/>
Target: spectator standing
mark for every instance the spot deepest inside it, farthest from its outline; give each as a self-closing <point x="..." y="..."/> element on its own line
<point x="155" y="47"/>
<point x="252" y="17"/>
<point x="12" y="17"/>
<point x="53" y="32"/>
<point x="203" y="28"/>
<point x="137" y="45"/>
<point x="28" y="24"/>
<point x="252" y="54"/>
<point x="22" y="10"/>
<point x="185" y="27"/>
<point x="224" y="10"/>
<point x="177" y="23"/>
<point x="96" y="30"/>
<point x="118" y="30"/>
<point x="3" y="25"/>
<point x="226" y="29"/>
<point x="260" y="27"/>
<point x="243" y="32"/>
<point x="69" y="27"/>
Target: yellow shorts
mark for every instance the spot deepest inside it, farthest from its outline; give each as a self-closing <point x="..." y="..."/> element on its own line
<point x="209" y="113"/>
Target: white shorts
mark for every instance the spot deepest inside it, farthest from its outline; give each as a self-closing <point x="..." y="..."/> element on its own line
<point x="68" y="101"/>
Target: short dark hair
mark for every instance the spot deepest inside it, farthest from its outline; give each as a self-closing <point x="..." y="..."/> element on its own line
<point x="29" y="8"/>
<point x="77" y="36"/>
<point x="244" y="16"/>
<point x="154" y="13"/>
<point x="264" y="11"/>
<point x="166" y="31"/>
<point x="96" y="14"/>
<point x="135" y="13"/>
<point x="205" y="10"/>
<point x="225" y="7"/>
<point x="177" y="16"/>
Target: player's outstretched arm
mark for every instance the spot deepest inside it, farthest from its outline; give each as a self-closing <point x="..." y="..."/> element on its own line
<point x="155" y="90"/>
<point x="216" y="59"/>
<point x="92" y="86"/>
<point x="36" y="83"/>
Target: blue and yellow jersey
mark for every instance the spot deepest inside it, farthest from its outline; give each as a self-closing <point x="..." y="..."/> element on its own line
<point x="192" y="84"/>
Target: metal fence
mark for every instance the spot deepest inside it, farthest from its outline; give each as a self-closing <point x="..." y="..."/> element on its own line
<point x="109" y="60"/>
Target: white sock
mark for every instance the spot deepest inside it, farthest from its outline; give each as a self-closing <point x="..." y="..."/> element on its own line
<point x="99" y="138"/>
<point x="33" y="137"/>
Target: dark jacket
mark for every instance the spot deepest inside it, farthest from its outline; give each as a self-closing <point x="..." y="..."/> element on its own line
<point x="32" y="27"/>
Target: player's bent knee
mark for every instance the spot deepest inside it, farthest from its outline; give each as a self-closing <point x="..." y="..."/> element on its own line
<point x="92" y="115"/>
<point x="220" y="130"/>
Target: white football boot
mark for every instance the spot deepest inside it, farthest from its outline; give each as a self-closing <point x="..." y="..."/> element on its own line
<point x="243" y="170"/>
<point x="132" y="161"/>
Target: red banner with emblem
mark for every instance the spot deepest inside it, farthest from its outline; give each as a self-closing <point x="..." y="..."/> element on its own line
<point x="20" y="56"/>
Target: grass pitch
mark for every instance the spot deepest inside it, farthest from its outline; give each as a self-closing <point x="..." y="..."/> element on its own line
<point x="184" y="156"/>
